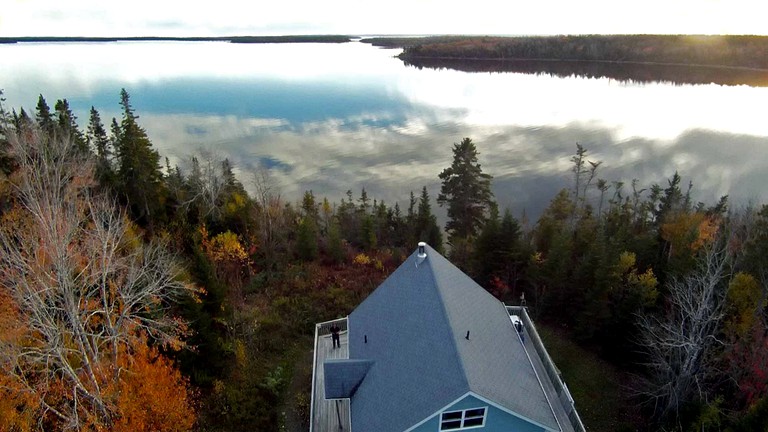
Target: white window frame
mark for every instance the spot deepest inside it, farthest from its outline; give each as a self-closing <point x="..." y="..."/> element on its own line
<point x="462" y="419"/>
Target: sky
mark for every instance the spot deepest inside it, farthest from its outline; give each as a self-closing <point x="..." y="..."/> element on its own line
<point x="365" y="17"/>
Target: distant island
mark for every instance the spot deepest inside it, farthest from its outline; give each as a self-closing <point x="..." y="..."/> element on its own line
<point x="692" y="50"/>
<point x="680" y="59"/>
<point x="233" y="39"/>
<point x="689" y="59"/>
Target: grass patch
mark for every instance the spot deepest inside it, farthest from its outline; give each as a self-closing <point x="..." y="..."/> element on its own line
<point x="596" y="385"/>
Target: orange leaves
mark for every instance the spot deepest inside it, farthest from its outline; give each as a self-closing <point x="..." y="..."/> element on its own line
<point x="688" y="232"/>
<point x="18" y="409"/>
<point x="152" y="395"/>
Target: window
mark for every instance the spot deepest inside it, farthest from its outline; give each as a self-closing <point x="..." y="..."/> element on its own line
<point x="466" y="419"/>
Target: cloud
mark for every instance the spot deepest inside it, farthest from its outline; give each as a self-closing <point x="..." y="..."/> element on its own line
<point x="337" y="117"/>
<point x="529" y="165"/>
<point x="227" y="17"/>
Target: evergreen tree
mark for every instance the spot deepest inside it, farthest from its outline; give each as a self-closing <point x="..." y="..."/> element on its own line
<point x="335" y="245"/>
<point x="364" y="203"/>
<point x="20" y="120"/>
<point x="6" y="123"/>
<point x="347" y="217"/>
<point x="96" y="137"/>
<point x="306" y="239"/>
<point x="368" y="233"/>
<point x="466" y="191"/>
<point x="236" y="205"/>
<point x="499" y="252"/>
<point x="425" y="226"/>
<point x="138" y="174"/>
<point x="44" y="118"/>
<point x="67" y="125"/>
<point x="381" y="223"/>
<point x="327" y="215"/>
<point x="310" y="208"/>
<point x="399" y="229"/>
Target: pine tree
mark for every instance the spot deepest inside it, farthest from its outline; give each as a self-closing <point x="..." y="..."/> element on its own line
<point x="67" y="125"/>
<point x="6" y="123"/>
<point x="306" y="240"/>
<point x="335" y="245"/>
<point x="425" y="226"/>
<point x="139" y="176"/>
<point x="44" y="118"/>
<point x="466" y="191"/>
<point x="20" y="120"/>
<point x="364" y="203"/>
<point x="96" y="137"/>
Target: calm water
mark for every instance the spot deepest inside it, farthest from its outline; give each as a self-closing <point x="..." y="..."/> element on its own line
<point x="336" y="117"/>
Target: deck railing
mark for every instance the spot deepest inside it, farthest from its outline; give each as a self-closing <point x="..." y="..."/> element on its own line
<point x="552" y="371"/>
<point x="321" y="329"/>
<point x="324" y="328"/>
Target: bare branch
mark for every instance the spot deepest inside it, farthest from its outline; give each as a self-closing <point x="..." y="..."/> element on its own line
<point x="83" y="286"/>
<point x="679" y="345"/>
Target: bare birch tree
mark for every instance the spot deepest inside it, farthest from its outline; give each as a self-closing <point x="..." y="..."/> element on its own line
<point x="271" y="210"/>
<point x="84" y="287"/>
<point x="679" y="346"/>
<point x="207" y="182"/>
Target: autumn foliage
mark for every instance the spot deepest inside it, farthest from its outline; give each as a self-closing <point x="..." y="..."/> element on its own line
<point x="82" y="296"/>
<point x="152" y="395"/>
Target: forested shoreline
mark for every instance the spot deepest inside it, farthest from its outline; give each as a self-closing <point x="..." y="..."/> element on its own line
<point x="203" y="288"/>
<point x="232" y="39"/>
<point x="698" y="50"/>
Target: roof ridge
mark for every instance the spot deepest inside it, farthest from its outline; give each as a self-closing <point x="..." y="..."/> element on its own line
<point x="447" y="316"/>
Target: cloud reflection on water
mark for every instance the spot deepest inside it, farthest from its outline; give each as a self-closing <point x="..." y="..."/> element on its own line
<point x="335" y="117"/>
<point x="529" y="164"/>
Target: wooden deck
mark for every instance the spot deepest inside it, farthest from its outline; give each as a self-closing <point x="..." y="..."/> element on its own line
<point x="327" y="413"/>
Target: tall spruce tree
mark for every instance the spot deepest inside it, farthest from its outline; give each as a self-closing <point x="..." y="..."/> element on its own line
<point x="6" y="123"/>
<point x="44" y="118"/>
<point x="66" y="125"/>
<point x="138" y="174"/>
<point x="425" y="226"/>
<point x="466" y="191"/>
<point x="96" y="138"/>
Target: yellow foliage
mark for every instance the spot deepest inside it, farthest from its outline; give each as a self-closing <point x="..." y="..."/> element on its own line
<point x="224" y="247"/>
<point x="235" y="203"/>
<point x="645" y="283"/>
<point x="743" y="300"/>
<point x="132" y="239"/>
<point x="688" y="231"/>
<point x="626" y="262"/>
<point x="362" y="259"/>
<point x="240" y="356"/>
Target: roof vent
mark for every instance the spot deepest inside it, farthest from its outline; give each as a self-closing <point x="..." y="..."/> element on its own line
<point x="422" y="253"/>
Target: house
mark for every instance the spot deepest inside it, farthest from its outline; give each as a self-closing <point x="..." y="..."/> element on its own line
<point x="430" y="350"/>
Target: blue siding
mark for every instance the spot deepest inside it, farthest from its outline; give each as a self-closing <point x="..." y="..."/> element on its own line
<point x="496" y="420"/>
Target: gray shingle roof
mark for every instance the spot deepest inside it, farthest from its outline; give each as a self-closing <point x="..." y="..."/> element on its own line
<point x="342" y="377"/>
<point x="415" y="323"/>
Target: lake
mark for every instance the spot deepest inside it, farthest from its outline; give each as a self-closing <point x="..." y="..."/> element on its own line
<point x="333" y="117"/>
